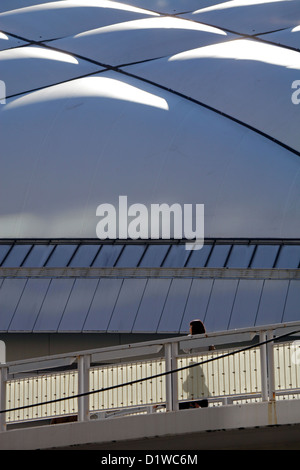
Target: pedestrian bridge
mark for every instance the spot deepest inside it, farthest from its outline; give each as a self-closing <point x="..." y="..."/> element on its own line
<point x="132" y="396"/>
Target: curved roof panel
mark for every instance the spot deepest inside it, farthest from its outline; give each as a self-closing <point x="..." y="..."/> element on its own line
<point x="8" y="42"/>
<point x="39" y="67"/>
<point x="288" y="37"/>
<point x="8" y="5"/>
<point x="247" y="79"/>
<point x="250" y="16"/>
<point x="212" y="125"/>
<point x="171" y="6"/>
<point x="88" y="141"/>
<point x="64" y="18"/>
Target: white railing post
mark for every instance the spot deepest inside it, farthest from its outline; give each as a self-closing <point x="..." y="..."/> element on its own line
<point x="169" y="393"/>
<point x="174" y="377"/>
<point x="3" y="380"/>
<point x="83" y="387"/>
<point x="171" y="352"/>
<point x="264" y="366"/>
<point x="270" y="359"/>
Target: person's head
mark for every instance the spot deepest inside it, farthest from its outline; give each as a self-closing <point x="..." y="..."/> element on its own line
<point x="197" y="327"/>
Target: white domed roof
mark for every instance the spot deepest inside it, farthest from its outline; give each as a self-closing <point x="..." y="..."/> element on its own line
<point x="141" y="40"/>
<point x="8" y="42"/>
<point x="246" y="79"/>
<point x="288" y="37"/>
<point x="209" y="123"/>
<point x="63" y="18"/>
<point x="249" y="16"/>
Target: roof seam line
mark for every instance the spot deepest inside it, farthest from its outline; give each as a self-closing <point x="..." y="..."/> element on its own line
<point x="210" y="108"/>
<point x="247" y="36"/>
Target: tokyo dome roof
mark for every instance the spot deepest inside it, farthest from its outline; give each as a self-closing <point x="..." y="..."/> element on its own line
<point x="161" y="101"/>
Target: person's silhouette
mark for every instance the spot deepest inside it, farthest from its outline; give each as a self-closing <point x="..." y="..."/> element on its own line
<point x="196" y="373"/>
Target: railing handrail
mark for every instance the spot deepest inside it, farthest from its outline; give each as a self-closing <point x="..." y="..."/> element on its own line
<point x="164" y="341"/>
<point x="268" y="334"/>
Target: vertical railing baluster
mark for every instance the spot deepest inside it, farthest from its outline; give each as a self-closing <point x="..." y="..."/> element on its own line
<point x="271" y="372"/>
<point x="3" y="380"/>
<point x="83" y="387"/>
<point x="168" y="359"/>
<point x="174" y="377"/>
<point x="264" y="367"/>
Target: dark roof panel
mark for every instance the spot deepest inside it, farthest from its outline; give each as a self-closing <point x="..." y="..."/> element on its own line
<point x="141" y="305"/>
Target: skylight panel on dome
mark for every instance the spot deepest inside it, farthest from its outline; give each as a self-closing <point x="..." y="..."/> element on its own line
<point x="65" y="18"/>
<point x="39" y="67"/>
<point x="85" y="141"/>
<point x="9" y="42"/>
<point x="8" y="5"/>
<point x="250" y="16"/>
<point x="288" y="37"/>
<point x="170" y="6"/>
<point x="140" y="40"/>
<point x="235" y="78"/>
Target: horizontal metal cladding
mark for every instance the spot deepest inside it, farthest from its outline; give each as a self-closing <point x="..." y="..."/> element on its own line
<point x="144" y="303"/>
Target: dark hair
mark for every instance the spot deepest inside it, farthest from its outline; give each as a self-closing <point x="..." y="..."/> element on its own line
<point x="197" y="327"/>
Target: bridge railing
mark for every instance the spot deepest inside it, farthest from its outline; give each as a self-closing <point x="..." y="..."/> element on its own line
<point x="254" y="364"/>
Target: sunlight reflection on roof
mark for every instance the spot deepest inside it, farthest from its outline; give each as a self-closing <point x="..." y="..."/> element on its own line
<point x="115" y="89"/>
<point x="296" y="29"/>
<point x="155" y="23"/>
<point x="236" y="3"/>
<point x="43" y="53"/>
<point x="244" y="49"/>
<point x="94" y="87"/>
<point x="3" y="36"/>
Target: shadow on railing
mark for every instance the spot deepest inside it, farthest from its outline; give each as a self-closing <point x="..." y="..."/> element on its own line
<point x="254" y="364"/>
